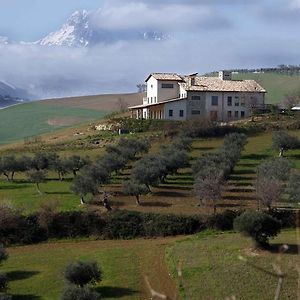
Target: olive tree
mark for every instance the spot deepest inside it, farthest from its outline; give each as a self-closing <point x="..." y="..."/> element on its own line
<point x="293" y="187"/>
<point x="81" y="273"/>
<point x="257" y="225"/>
<point x="282" y="141"/>
<point x="148" y="170"/>
<point x="135" y="189"/>
<point x="37" y="177"/>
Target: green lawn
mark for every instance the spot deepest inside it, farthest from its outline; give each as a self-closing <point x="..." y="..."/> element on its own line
<point x="35" y="118"/>
<point x="277" y="85"/>
<point x="211" y="268"/>
<point x="36" y="272"/>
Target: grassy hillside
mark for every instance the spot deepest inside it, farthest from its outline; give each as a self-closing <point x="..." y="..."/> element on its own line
<point x="211" y="268"/>
<point x="36" y="272"/>
<point x="277" y="85"/>
<point x="174" y="196"/>
<point x="35" y="118"/>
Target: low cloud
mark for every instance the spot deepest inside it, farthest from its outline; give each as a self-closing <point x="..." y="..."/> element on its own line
<point x="167" y="16"/>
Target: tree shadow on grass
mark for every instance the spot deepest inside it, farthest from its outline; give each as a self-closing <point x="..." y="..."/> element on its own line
<point x="26" y="297"/>
<point x="250" y="165"/>
<point x="230" y="205"/>
<point x="170" y="187"/>
<point x="276" y="248"/>
<point x="14" y="186"/>
<point x="58" y="193"/>
<point x="169" y="194"/>
<point x="155" y="204"/>
<point x="203" y="148"/>
<point x="235" y="190"/>
<point x="115" y="292"/>
<point x="239" y="197"/>
<point x="294" y="156"/>
<point x="239" y="178"/>
<point x="255" y="156"/>
<point x="20" y="275"/>
<point x="244" y="171"/>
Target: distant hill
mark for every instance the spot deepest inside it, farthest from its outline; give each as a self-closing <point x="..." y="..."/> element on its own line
<point x="39" y="117"/>
<point x="277" y="85"/>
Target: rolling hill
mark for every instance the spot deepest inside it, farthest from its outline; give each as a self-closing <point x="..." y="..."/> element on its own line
<point x="277" y="85"/>
<point x="40" y="117"/>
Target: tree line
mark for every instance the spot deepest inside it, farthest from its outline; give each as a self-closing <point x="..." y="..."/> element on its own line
<point x="213" y="169"/>
<point x="153" y="169"/>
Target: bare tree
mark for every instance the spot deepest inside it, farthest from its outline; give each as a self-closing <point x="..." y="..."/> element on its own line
<point x="268" y="191"/>
<point x="209" y="188"/>
<point x="122" y="105"/>
<point x="290" y="100"/>
<point x="142" y="87"/>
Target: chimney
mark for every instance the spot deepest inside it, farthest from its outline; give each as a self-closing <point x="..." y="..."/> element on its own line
<point x="225" y="75"/>
<point x="192" y="79"/>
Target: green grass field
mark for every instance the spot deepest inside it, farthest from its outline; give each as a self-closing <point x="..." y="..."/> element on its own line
<point x="277" y="85"/>
<point x="36" y="272"/>
<point x="174" y="196"/>
<point x="36" y="118"/>
<point x="211" y="269"/>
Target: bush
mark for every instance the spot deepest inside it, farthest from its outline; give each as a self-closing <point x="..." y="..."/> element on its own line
<point x="286" y="217"/>
<point x="257" y="225"/>
<point x="124" y="225"/>
<point x="81" y="273"/>
<point x="3" y="282"/>
<point x="78" y="293"/>
<point x="222" y="221"/>
<point x="5" y="297"/>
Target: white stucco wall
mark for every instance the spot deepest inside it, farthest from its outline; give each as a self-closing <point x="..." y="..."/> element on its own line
<point x="176" y="106"/>
<point x="152" y="87"/>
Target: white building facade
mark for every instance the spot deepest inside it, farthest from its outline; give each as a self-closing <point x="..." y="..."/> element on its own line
<point x="174" y="97"/>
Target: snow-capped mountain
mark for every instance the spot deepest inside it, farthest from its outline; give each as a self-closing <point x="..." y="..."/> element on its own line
<point x="80" y="31"/>
<point x="76" y="32"/>
<point x="10" y="95"/>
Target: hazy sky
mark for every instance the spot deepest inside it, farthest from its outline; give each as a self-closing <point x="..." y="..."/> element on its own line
<point x="206" y="35"/>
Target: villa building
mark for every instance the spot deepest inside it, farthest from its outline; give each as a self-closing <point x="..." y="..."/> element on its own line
<point x="185" y="97"/>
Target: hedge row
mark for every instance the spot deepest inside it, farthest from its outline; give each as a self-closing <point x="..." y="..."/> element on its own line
<point x="18" y="229"/>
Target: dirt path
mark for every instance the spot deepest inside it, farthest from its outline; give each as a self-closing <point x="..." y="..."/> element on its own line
<point x="154" y="267"/>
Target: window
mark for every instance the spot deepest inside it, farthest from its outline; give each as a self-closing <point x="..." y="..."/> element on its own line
<point x="236" y="114"/>
<point x="214" y="100"/>
<point x="151" y="86"/>
<point x="167" y="85"/>
<point x="151" y="99"/>
<point x="229" y="101"/>
<point x="229" y="114"/>
<point x="181" y="113"/>
<point x="242" y="114"/>
<point x="243" y="101"/>
<point x="195" y="97"/>
<point x="170" y="112"/>
<point x="236" y="101"/>
<point x="195" y="112"/>
<point x="154" y="99"/>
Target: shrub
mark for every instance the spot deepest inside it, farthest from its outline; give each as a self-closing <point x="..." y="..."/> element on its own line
<point x="81" y="273"/>
<point x="5" y="297"/>
<point x="3" y="282"/>
<point x="257" y="225"/>
<point x="222" y="221"/>
<point x="78" y="293"/>
<point x="124" y="225"/>
<point x="3" y="254"/>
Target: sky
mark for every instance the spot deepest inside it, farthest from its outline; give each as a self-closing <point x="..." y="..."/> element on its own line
<point x="205" y="35"/>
